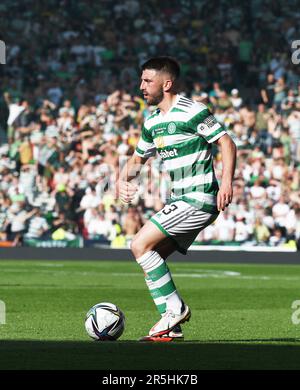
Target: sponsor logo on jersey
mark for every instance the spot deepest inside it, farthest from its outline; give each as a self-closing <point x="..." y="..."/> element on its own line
<point x="171" y="128"/>
<point x="158" y="131"/>
<point x="168" y="153"/>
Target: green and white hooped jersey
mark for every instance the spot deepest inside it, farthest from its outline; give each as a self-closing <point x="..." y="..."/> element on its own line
<point x="183" y="138"/>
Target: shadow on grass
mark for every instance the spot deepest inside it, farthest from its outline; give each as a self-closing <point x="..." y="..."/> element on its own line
<point x="125" y="355"/>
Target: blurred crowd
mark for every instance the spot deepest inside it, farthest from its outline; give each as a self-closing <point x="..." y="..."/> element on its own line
<point x="71" y="114"/>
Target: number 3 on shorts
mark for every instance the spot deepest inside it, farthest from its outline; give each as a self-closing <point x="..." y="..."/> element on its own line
<point x="168" y="209"/>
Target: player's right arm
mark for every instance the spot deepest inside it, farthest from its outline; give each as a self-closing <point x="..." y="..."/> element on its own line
<point x="126" y="190"/>
<point x="145" y="148"/>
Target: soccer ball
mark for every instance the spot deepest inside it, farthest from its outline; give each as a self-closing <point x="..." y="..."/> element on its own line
<point x="105" y="322"/>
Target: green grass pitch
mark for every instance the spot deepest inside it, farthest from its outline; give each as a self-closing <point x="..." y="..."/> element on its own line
<point x="241" y="316"/>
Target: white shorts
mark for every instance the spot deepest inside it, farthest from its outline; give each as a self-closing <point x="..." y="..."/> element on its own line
<point x="182" y="222"/>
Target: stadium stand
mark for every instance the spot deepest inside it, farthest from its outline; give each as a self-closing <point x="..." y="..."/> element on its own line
<point x="71" y="113"/>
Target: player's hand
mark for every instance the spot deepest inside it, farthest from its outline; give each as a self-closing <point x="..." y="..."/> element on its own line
<point x="126" y="191"/>
<point x="224" y="197"/>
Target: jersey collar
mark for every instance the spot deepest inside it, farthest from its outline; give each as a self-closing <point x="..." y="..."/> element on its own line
<point x="171" y="108"/>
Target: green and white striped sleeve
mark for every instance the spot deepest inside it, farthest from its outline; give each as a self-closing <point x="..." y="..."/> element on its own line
<point x="205" y="124"/>
<point x="145" y="147"/>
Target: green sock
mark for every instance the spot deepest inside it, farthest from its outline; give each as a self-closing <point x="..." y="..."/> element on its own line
<point x="158" y="299"/>
<point x="156" y="269"/>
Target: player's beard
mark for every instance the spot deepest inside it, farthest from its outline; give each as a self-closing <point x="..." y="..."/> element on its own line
<point x="154" y="100"/>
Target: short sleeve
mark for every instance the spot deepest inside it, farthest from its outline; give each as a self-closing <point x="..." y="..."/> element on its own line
<point x="145" y="147"/>
<point x="206" y="125"/>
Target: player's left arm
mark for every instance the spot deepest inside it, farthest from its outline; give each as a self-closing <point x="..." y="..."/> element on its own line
<point x="228" y="152"/>
<point x="206" y="125"/>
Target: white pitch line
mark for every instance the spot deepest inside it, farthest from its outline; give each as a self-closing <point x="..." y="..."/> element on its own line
<point x="216" y="276"/>
<point x="193" y="276"/>
<point x="49" y="265"/>
<point x="205" y="275"/>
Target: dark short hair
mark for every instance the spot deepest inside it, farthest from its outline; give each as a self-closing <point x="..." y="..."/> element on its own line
<point x="163" y="64"/>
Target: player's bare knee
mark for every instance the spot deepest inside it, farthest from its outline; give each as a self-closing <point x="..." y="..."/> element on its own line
<point x="138" y="248"/>
<point x="134" y="247"/>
